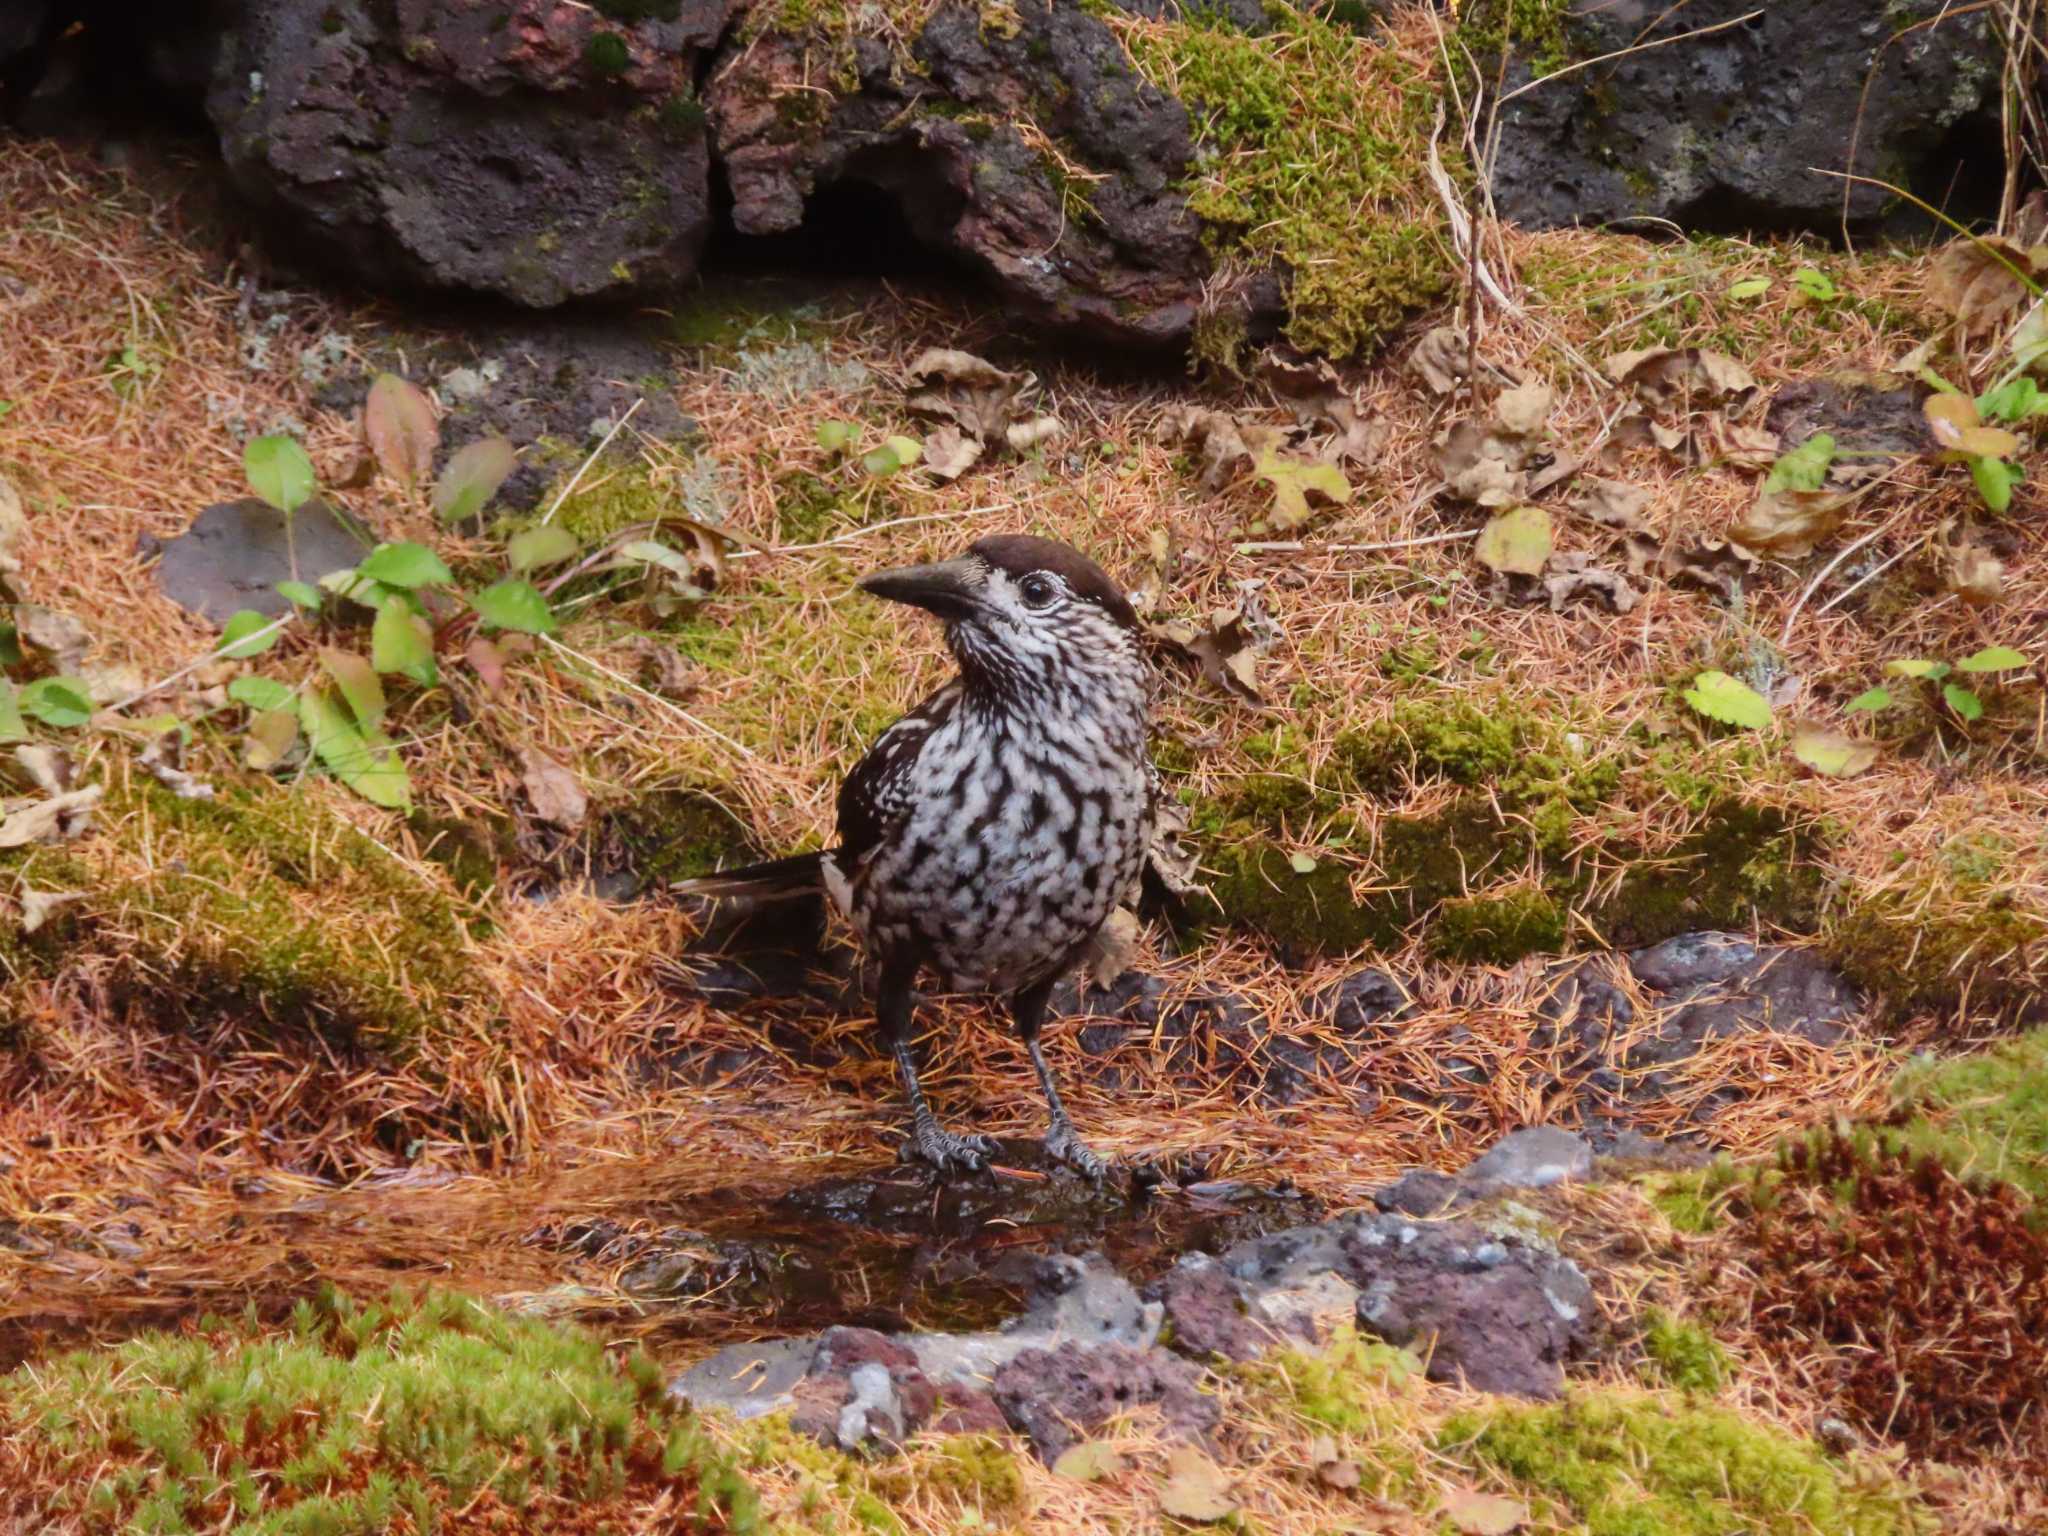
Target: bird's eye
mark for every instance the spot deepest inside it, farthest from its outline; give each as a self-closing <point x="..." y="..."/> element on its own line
<point x="1038" y="591"/>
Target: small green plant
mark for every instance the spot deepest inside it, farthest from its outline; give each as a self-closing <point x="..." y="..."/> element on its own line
<point x="1963" y="701"/>
<point x="1969" y="432"/>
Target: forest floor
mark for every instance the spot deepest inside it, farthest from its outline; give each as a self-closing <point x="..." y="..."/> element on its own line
<point x="279" y="1037"/>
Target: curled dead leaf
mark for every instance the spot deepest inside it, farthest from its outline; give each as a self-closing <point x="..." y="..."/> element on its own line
<point x="1196" y="1489"/>
<point x="164" y="757"/>
<point x="1980" y="281"/>
<point x="1227" y="648"/>
<point x="1525" y="409"/>
<point x="1115" y="947"/>
<point x="55" y="820"/>
<point x="1483" y="466"/>
<point x="1614" y="503"/>
<point x="1310" y="386"/>
<point x="1975" y="574"/>
<point x="1791" y="524"/>
<point x="60" y="636"/>
<point x="1484" y="1514"/>
<point x="38" y="907"/>
<point x="982" y="407"/>
<point x="555" y="793"/>
<point x="1441" y="358"/>
<point x="1572" y="577"/>
<point x="1831" y="753"/>
<point x="1224" y="445"/>
<point x="1169" y="853"/>
<point x="1684" y="380"/>
<point x="50" y="769"/>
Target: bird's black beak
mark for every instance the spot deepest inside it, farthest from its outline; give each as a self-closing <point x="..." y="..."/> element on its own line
<point x="951" y="588"/>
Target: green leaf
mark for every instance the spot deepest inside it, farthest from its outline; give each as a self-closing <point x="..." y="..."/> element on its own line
<point x="541" y="545"/>
<point x="2015" y="400"/>
<point x="1914" y="666"/>
<point x="1814" y="284"/>
<point x="1294" y="480"/>
<point x="1994" y="658"/>
<point x="59" y="701"/>
<point x="1516" y="542"/>
<point x="472" y="477"/>
<point x="837" y="436"/>
<point x="358" y="588"/>
<point x="881" y="462"/>
<point x="401" y="641"/>
<point x="404" y="565"/>
<point x="12" y="726"/>
<point x="1995" y="481"/>
<point x="1832" y="753"/>
<point x="1963" y="701"/>
<point x="368" y="765"/>
<point x="279" y="472"/>
<point x="1302" y="863"/>
<point x="1749" y="288"/>
<point x="1720" y="697"/>
<point x="908" y="450"/>
<point x="358" y="682"/>
<point x="514" y="604"/>
<point x="1871" y="699"/>
<point x="242" y="636"/>
<point x="672" y="561"/>
<point x="260" y="693"/>
<point x="399" y="422"/>
<point x="300" y="594"/>
<point x="1805" y="468"/>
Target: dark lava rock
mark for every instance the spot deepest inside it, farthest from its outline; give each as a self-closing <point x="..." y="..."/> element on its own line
<point x="945" y="148"/>
<point x="236" y="552"/>
<point x="1692" y="959"/>
<point x="1719" y="985"/>
<point x="1866" y="414"/>
<point x="1734" y="131"/>
<point x="1056" y="1396"/>
<point x="1364" y="1006"/>
<point x="1422" y="1192"/>
<point x="1583" y="1007"/>
<point x="564" y="377"/>
<point x="864" y="1391"/>
<point x="532" y="150"/>
<point x="1500" y="1314"/>
<point x="1205" y="1309"/>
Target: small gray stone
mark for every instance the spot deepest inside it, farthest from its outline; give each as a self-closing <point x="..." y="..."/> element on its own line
<point x="747" y="1380"/>
<point x="1533" y="1158"/>
<point x="1691" y="959"/>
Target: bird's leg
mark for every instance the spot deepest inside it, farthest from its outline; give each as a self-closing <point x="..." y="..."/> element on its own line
<point x="928" y="1141"/>
<point x="1061" y="1141"/>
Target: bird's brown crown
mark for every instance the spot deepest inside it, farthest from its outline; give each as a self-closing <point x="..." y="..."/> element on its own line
<point x="1018" y="554"/>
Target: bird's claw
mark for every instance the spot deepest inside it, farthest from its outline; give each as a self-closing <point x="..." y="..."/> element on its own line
<point x="1062" y="1145"/>
<point x="948" y="1153"/>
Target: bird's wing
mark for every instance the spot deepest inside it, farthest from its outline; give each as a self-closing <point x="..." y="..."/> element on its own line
<point x="877" y="794"/>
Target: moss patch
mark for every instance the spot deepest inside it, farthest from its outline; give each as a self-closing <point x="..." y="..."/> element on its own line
<point x="1534" y="802"/>
<point x="1318" y="141"/>
<point x="1683" y="1354"/>
<point x="1644" y="1466"/>
<point x="1925" y="946"/>
<point x="1984" y="1115"/>
<point x="355" y="1418"/>
<point x="677" y="834"/>
<point x="265" y="904"/>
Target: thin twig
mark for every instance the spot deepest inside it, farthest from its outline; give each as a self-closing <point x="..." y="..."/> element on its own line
<point x="189" y="668"/>
<point x="873" y="528"/>
<point x="1302" y="546"/>
<point x="626" y="682"/>
<point x="577" y="479"/>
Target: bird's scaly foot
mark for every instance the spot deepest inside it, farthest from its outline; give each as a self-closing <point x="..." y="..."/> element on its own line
<point x="1064" y="1146"/>
<point x="932" y="1144"/>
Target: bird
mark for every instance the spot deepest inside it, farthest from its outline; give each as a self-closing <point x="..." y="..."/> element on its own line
<point x="987" y="836"/>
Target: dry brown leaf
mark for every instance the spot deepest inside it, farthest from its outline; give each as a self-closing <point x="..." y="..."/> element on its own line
<point x="1483" y="466"/>
<point x="48" y="768"/>
<point x="1525" y="409"/>
<point x="1115" y="948"/>
<point x="949" y="453"/>
<point x="1516" y="542"/>
<point x="1686" y="380"/>
<point x="1169" y="853"/>
<point x="1090" y="1461"/>
<point x="664" y="669"/>
<point x="13" y="525"/>
<point x="271" y="735"/>
<point x="1831" y="753"/>
<point x="1310" y="386"/>
<point x="1979" y="282"/>
<point x="1711" y="563"/>
<point x="1790" y="524"/>
<point x="1227" y="649"/>
<point x="1225" y="445"/>
<point x="64" y="639"/>
<point x="1954" y="421"/>
<point x="1734" y="442"/>
<point x="1484" y="1514"/>
<point x="556" y="794"/>
<point x="164" y="757"/>
<point x="1975" y="574"/>
<point x="38" y="907"/>
<point x="57" y="819"/>
<point x="1573" y="576"/>
<point x="1196" y="1489"/>
<point x="487" y="659"/>
<point x="1441" y="358"/>
<point x="1614" y="503"/>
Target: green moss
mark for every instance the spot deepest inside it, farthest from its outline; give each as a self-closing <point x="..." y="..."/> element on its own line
<point x="1984" y="1114"/>
<point x="1938" y="944"/>
<point x="1497" y="930"/>
<point x="1683" y="1354"/>
<point x="1533" y="801"/>
<point x="1362" y="1390"/>
<point x="677" y="834"/>
<point x="1694" y="1200"/>
<point x="262" y="902"/>
<point x="1534" y="29"/>
<point x="681" y="117"/>
<point x="356" y="1418"/>
<point x="1318" y="142"/>
<point x="1623" y="1465"/>
<point x="607" y="53"/>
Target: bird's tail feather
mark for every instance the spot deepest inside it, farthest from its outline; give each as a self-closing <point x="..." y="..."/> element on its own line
<point x="777" y="880"/>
